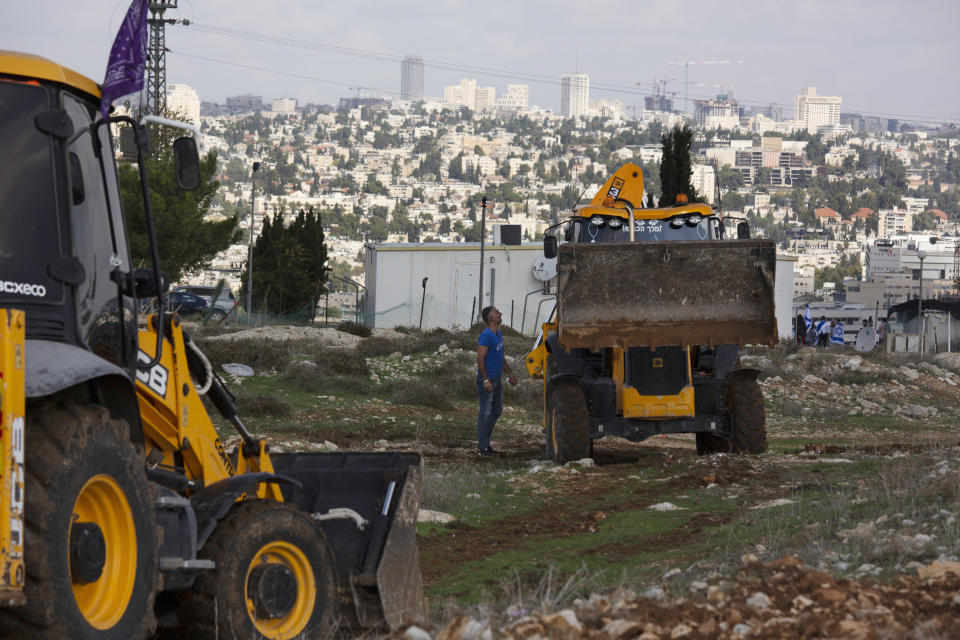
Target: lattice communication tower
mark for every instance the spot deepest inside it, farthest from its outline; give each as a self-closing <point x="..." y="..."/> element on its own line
<point x="156" y="85"/>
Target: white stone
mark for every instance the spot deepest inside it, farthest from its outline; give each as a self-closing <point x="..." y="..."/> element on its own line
<point x="741" y="629"/>
<point x="681" y="631"/>
<point x="582" y="462"/>
<point x="665" y="506"/>
<point x="673" y="573"/>
<point x="237" y="369"/>
<point x="426" y="515"/>
<point x="654" y="593"/>
<point x="769" y="504"/>
<point x="759" y="600"/>
<point x="416" y="633"/>
<point x="909" y="373"/>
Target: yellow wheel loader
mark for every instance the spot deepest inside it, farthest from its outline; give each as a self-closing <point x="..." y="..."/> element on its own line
<point x="651" y="306"/>
<point x="120" y="507"/>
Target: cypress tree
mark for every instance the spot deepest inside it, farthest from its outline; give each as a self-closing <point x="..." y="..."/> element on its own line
<point x="675" y="168"/>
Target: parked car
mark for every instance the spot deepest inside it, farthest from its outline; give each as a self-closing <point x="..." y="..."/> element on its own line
<point x="219" y="307"/>
<point x="185" y="303"/>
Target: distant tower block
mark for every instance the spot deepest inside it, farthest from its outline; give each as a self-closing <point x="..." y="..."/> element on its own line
<point x="411" y="78"/>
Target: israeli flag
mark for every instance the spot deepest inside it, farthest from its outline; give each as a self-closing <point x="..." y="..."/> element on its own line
<point x="807" y="320"/>
<point x="837" y="337"/>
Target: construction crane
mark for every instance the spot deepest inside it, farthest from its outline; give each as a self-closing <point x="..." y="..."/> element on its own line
<point x="686" y="75"/>
<point x="661" y="98"/>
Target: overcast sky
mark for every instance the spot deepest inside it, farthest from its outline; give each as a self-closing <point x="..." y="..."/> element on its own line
<point x="882" y="56"/>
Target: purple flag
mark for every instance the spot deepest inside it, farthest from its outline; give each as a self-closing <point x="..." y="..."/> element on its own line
<point x="128" y="57"/>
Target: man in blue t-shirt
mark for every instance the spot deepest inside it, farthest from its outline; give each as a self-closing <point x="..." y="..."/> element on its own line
<point x="490" y="363"/>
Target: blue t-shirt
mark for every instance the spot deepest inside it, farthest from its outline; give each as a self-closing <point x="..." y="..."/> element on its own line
<point x="493" y="361"/>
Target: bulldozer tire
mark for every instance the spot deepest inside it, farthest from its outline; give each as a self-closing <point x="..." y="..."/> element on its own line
<point x="708" y="443"/>
<point x="274" y="578"/>
<point x="568" y="423"/>
<point x="748" y="417"/>
<point x="82" y="469"/>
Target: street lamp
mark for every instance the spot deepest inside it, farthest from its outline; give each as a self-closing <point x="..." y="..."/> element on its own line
<point x="921" y="254"/>
<point x="253" y="186"/>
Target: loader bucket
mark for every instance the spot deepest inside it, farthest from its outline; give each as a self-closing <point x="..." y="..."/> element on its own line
<point x="666" y="294"/>
<point x="378" y="568"/>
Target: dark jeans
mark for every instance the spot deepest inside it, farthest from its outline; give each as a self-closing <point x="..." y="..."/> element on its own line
<point x="491" y="406"/>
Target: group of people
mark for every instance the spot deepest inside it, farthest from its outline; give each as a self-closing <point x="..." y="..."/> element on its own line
<point x="824" y="333"/>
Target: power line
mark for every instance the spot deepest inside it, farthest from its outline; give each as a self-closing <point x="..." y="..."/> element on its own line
<point x="503" y="73"/>
<point x="278" y="72"/>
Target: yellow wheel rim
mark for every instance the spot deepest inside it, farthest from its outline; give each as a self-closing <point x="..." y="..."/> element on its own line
<point x="295" y="621"/>
<point x="103" y="502"/>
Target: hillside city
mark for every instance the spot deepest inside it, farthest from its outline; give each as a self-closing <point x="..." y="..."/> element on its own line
<point x="860" y="201"/>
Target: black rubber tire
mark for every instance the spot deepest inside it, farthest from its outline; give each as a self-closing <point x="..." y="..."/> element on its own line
<point x="66" y="444"/>
<point x="748" y="417"/>
<point x="708" y="443"/>
<point x="568" y="423"/>
<point x="217" y="315"/>
<point x="216" y="607"/>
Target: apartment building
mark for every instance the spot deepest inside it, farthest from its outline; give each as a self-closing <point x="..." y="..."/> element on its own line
<point x="816" y="111"/>
<point x="574" y="95"/>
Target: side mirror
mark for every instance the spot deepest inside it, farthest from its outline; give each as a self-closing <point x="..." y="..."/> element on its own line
<point x="186" y="162"/>
<point x="146" y="286"/>
<point x="550" y="247"/>
<point x="743" y="231"/>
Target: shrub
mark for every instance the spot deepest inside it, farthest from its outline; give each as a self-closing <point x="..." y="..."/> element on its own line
<point x="258" y="353"/>
<point x="425" y="393"/>
<point x="528" y="395"/>
<point x="355" y="328"/>
<point x="261" y="406"/>
<point x="316" y="378"/>
<point x="345" y="362"/>
<point x="457" y="374"/>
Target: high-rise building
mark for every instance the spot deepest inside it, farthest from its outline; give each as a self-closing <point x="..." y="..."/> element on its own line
<point x="244" y="103"/>
<point x="184" y="100"/>
<point x="516" y="97"/>
<point x="468" y="94"/>
<point x="411" y="78"/>
<point x="722" y="113"/>
<point x="816" y="111"/>
<point x="484" y="98"/>
<point x="574" y="95"/>
<point x="286" y="106"/>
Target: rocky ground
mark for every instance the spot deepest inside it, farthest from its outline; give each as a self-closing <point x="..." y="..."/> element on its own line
<point x="849" y="527"/>
<point x="780" y="599"/>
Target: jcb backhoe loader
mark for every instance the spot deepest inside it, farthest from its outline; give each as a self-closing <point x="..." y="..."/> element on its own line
<point x="120" y="505"/>
<point x="643" y="339"/>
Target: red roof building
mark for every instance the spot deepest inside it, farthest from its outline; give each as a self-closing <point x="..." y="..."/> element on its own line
<point x="826" y="213"/>
<point x="941" y="216"/>
<point x="863" y="213"/>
